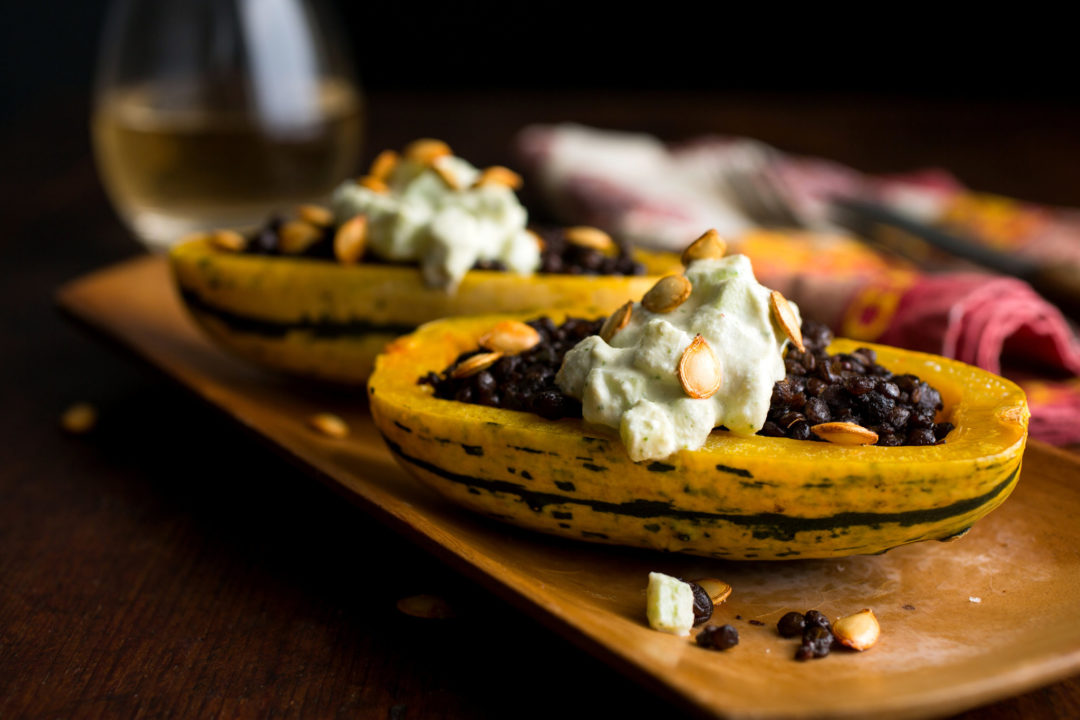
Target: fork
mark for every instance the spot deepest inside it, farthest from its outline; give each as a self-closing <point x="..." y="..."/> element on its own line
<point x="752" y="182"/>
<point x="749" y="178"/>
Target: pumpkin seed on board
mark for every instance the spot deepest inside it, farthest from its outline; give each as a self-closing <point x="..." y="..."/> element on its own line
<point x="785" y="316"/>
<point x="859" y="631"/>
<point x="699" y="370"/>
<point x="589" y="237"/>
<point x="384" y="164"/>
<point x="329" y="425"/>
<point x="297" y="236"/>
<point x="616" y="321"/>
<point x="667" y="294"/>
<point x="499" y="175"/>
<point x="78" y="419"/>
<point x="510" y="337"/>
<point x="428" y="607"/>
<point x="709" y="246"/>
<point x="475" y="364"/>
<point x="845" y="433"/>
<point x="350" y="240"/>
<point x="717" y="590"/>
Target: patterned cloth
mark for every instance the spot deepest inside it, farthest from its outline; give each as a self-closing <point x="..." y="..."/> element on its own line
<point x="663" y="197"/>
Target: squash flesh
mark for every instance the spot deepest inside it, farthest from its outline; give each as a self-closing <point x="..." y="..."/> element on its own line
<point x="763" y="498"/>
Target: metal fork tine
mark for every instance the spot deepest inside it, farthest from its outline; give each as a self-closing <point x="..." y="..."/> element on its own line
<point x="752" y="183"/>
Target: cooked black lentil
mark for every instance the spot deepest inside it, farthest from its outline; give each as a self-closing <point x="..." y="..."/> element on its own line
<point x="814" y="617"/>
<point x="557" y="256"/>
<point x="791" y="625"/>
<point x="703" y="604"/>
<point x="819" y="387"/>
<point x="526" y="381"/>
<point x="817" y="642"/>
<point x="851" y="387"/>
<point x="718" y="637"/>
<point x="564" y="258"/>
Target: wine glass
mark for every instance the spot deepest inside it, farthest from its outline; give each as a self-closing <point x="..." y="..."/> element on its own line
<point x="217" y="113"/>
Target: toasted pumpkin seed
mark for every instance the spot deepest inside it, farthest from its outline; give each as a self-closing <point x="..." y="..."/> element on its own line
<point x="296" y="236"/>
<point x="859" y="631"/>
<point x="667" y="294"/>
<point x="446" y="175"/>
<point x="499" y="175"/>
<point x="845" y="433"/>
<point x="350" y="240"/>
<point x="476" y="363"/>
<point x="79" y="418"/>
<point x="315" y="215"/>
<point x="699" y="370"/>
<point x="427" y="150"/>
<point x="428" y="607"/>
<point x="589" y="237"/>
<point x="785" y="316"/>
<point x="709" y="246"/>
<point x="384" y="164"/>
<point x="228" y="240"/>
<point x="616" y="321"/>
<point x="510" y="337"/>
<point x="373" y="184"/>
<point x="329" y="424"/>
<point x="537" y="239"/>
<point x="717" y="590"/>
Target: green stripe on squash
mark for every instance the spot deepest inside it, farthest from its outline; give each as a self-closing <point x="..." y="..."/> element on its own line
<point x="738" y="498"/>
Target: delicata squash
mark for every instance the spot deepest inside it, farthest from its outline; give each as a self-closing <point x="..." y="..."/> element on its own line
<point x="328" y="320"/>
<point x="737" y="497"/>
<point x="423" y="235"/>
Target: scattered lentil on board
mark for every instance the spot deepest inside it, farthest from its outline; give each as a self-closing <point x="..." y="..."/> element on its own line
<point x="791" y="625"/>
<point x="703" y="604"/>
<point x="718" y="637"/>
<point x="817" y="642"/>
<point x="816" y="618"/>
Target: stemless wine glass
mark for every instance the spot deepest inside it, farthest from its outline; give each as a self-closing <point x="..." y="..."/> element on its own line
<point x="216" y="113"/>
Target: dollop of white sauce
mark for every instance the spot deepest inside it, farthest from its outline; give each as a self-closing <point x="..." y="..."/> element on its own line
<point x="422" y="219"/>
<point x="632" y="384"/>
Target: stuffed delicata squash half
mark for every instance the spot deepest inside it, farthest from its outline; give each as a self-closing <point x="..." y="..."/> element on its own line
<point x="425" y="235"/>
<point x="700" y="420"/>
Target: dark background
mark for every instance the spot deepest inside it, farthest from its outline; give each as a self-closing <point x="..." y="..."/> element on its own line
<point x="48" y="49"/>
<point x="988" y="94"/>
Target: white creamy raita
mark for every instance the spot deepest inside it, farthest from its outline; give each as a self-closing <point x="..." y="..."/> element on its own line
<point x="421" y="218"/>
<point x="632" y="385"/>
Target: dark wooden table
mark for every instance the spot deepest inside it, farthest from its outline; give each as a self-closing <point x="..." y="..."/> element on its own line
<point x="166" y="565"/>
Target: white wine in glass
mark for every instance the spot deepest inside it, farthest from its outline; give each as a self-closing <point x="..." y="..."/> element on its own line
<point x="217" y="113"/>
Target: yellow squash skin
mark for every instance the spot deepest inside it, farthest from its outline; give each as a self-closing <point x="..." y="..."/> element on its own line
<point x="324" y="320"/>
<point x="740" y="498"/>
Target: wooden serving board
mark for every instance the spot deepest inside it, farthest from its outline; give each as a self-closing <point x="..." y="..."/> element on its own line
<point x="963" y="623"/>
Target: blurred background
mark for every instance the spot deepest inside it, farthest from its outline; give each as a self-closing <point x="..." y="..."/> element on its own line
<point x="949" y="73"/>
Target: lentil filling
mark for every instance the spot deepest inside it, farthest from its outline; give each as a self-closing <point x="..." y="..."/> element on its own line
<point x="819" y="387"/>
<point x="558" y="256"/>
